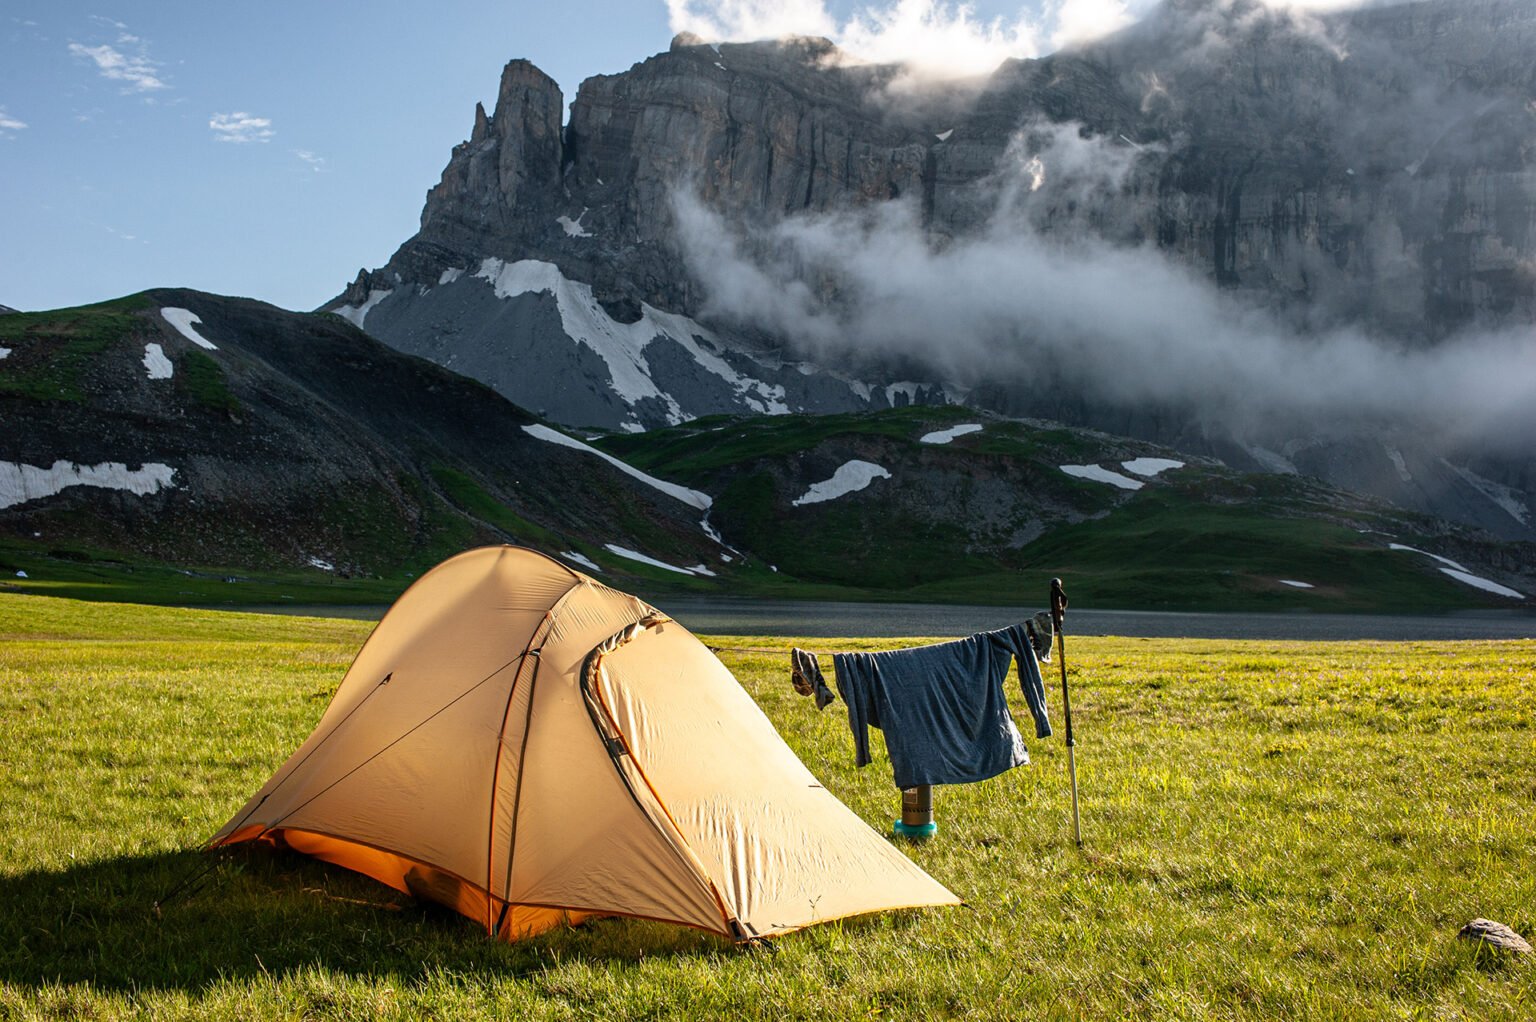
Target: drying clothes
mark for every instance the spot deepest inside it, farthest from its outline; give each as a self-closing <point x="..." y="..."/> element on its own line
<point x="805" y="676"/>
<point x="1042" y="635"/>
<point x="942" y="707"/>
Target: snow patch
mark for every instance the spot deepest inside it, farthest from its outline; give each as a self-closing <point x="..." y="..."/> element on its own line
<point x="22" y="574"/>
<point x="1096" y="474"/>
<point x="1150" y="467"/>
<point x="185" y="321"/>
<point x="849" y="478"/>
<point x="5" y="352"/>
<point x="861" y="389"/>
<point x="622" y="345"/>
<point x="944" y="436"/>
<point x="156" y="364"/>
<point x="943" y="136"/>
<point x="358" y="314"/>
<point x="21" y="483"/>
<point x="693" y="498"/>
<point x="635" y="555"/>
<point x="573" y="228"/>
<point x="906" y="387"/>
<point x="1461" y="574"/>
<point x="450" y="275"/>
<point x="1425" y="553"/>
<point x="1398" y="463"/>
<point x="1483" y="584"/>
<point x="721" y="66"/>
<point x="1296" y="585"/>
<point x="1497" y="492"/>
<point x="315" y="562"/>
<point x="575" y="558"/>
<point x="700" y="569"/>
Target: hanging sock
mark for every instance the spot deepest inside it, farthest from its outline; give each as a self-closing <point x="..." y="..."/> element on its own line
<point x="805" y="676"/>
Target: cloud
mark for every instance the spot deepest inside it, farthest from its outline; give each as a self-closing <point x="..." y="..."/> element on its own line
<point x="131" y="66"/>
<point x="316" y="163"/>
<point x="9" y="124"/>
<point x="931" y="36"/>
<point x="939" y="38"/>
<point x="1049" y="312"/>
<point x="241" y="127"/>
<point x="1076" y="21"/>
<point x="751" y="19"/>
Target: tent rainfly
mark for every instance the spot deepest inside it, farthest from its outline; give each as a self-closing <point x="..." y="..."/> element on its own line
<point x="530" y="747"/>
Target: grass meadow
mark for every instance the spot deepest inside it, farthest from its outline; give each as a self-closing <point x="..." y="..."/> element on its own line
<point x="1273" y="831"/>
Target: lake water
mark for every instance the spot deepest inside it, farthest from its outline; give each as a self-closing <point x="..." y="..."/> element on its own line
<point x="716" y="616"/>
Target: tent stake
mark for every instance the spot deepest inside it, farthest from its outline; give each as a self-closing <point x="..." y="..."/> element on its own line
<point x="1058" y="615"/>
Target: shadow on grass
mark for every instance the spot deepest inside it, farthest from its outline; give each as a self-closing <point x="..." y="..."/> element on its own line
<point x="260" y="913"/>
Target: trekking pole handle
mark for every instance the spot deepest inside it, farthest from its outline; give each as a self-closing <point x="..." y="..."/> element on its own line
<point x="1058" y="617"/>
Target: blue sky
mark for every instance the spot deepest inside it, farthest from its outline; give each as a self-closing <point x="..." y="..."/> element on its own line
<point x="271" y="149"/>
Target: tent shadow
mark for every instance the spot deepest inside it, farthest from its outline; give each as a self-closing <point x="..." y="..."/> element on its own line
<point x="260" y="913"/>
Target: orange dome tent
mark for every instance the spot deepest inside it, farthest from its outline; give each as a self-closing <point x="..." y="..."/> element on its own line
<point x="531" y="747"/>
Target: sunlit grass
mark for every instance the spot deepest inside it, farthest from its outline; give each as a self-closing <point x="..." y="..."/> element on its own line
<point x="1273" y="830"/>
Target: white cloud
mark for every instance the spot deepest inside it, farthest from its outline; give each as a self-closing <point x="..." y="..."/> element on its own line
<point x="751" y="19"/>
<point x="135" y="69"/>
<point x="9" y="124"/>
<point x="936" y="37"/>
<point x="316" y="163"/>
<point x="929" y="35"/>
<point x="1078" y="21"/>
<point x="241" y="127"/>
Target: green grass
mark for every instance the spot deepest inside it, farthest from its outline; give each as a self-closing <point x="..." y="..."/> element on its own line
<point x="690" y="452"/>
<point x="1274" y="830"/>
<point x="52" y="350"/>
<point x="201" y="379"/>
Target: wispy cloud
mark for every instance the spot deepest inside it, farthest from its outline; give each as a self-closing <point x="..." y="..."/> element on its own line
<point x="316" y="163"/>
<point x="9" y="124"/>
<point x="241" y="127"/>
<point x="127" y="61"/>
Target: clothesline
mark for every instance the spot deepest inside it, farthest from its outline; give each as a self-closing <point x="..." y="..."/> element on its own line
<point x="1039" y="624"/>
<point x="780" y="650"/>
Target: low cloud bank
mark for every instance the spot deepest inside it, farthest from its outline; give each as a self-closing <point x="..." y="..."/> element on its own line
<point x="1015" y="304"/>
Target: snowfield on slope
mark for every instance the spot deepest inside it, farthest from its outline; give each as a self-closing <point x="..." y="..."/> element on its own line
<point x="1460" y="573"/>
<point x="694" y="498"/>
<point x="849" y="478"/>
<point x="1094" y="473"/>
<point x="21" y="483"/>
<point x="1150" y="467"/>
<point x="635" y="555"/>
<point x="156" y="364"/>
<point x="944" y="436"/>
<point x="358" y="314"/>
<point x="622" y="345"/>
<point x="186" y="321"/>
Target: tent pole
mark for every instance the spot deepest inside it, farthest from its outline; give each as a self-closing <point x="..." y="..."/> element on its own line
<point x="1058" y="616"/>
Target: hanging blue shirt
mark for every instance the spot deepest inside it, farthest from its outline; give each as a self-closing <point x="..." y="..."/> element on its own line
<point x="942" y="707"/>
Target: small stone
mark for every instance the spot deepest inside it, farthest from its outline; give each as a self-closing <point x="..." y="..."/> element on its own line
<point x="1496" y="934"/>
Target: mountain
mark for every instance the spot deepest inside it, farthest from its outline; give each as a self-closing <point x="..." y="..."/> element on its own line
<point x="224" y="436"/>
<point x="945" y="504"/>
<point x="176" y="446"/>
<point x="690" y="241"/>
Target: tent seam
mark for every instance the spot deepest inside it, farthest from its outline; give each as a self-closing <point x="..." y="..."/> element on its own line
<point x="589" y="671"/>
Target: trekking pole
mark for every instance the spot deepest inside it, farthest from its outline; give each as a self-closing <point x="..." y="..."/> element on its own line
<point x="1058" y="617"/>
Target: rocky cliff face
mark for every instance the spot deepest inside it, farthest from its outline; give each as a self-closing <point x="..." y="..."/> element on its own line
<point x="1371" y="170"/>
